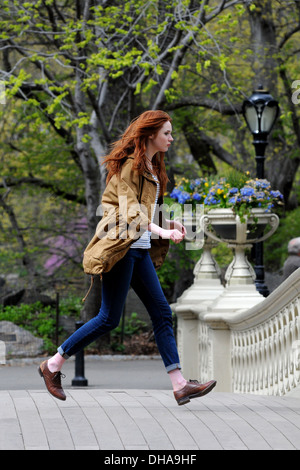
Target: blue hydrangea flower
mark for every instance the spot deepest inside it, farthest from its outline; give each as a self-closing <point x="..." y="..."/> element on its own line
<point x="247" y="191"/>
<point x="233" y="190"/>
<point x="260" y="195"/>
<point x="276" y="194"/>
<point x="183" y="197"/>
<point x="262" y="184"/>
<point x="175" y="193"/>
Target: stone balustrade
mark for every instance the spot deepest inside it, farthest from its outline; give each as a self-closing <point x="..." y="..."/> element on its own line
<point x="253" y="347"/>
<point x="265" y="343"/>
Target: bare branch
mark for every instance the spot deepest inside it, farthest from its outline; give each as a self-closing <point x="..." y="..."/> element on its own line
<point x="198" y="101"/>
<point x="11" y="182"/>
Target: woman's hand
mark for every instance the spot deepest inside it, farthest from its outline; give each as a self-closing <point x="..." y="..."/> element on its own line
<point x="175" y="224"/>
<point x="173" y="234"/>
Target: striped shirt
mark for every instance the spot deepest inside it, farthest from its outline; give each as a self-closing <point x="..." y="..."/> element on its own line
<point x="145" y="240"/>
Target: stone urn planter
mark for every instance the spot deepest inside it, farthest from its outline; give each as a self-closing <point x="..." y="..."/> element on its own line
<point x="223" y="225"/>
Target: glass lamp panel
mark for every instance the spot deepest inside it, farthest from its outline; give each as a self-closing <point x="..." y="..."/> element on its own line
<point x="268" y="118"/>
<point x="252" y="118"/>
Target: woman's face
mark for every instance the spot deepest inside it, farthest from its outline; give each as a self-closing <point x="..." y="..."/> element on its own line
<point x="163" y="139"/>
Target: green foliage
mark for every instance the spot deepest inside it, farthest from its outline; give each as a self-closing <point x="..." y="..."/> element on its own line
<point x="111" y="43"/>
<point x="275" y="248"/>
<point x="70" y="306"/>
<point x="235" y="178"/>
<point x="40" y="320"/>
<point x="132" y="326"/>
<point x="178" y="260"/>
<point x="168" y="272"/>
<point x="222" y="254"/>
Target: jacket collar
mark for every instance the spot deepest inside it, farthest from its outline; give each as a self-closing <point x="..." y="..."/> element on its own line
<point x="146" y="174"/>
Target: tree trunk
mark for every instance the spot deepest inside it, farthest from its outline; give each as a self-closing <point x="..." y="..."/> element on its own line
<point x="90" y="170"/>
<point x="282" y="170"/>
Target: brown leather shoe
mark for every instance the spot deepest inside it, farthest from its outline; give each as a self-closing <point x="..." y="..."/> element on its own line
<point x="193" y="389"/>
<point x="52" y="381"/>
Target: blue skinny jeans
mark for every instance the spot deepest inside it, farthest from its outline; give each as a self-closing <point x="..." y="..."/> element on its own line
<point x="135" y="269"/>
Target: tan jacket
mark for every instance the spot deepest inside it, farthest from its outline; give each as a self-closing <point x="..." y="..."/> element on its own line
<point x="127" y="203"/>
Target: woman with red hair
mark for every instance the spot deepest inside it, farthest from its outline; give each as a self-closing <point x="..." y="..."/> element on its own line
<point x="131" y="241"/>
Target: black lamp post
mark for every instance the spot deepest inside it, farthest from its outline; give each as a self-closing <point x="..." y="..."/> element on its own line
<point x="260" y="112"/>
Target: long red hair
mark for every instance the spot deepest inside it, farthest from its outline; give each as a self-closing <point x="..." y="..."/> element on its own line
<point x="133" y="142"/>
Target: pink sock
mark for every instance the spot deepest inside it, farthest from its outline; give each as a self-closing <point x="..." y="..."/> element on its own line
<point x="55" y="363"/>
<point x="177" y="379"/>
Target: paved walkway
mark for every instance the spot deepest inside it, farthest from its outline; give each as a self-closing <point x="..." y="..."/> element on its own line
<point x="143" y="415"/>
<point x="146" y="420"/>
